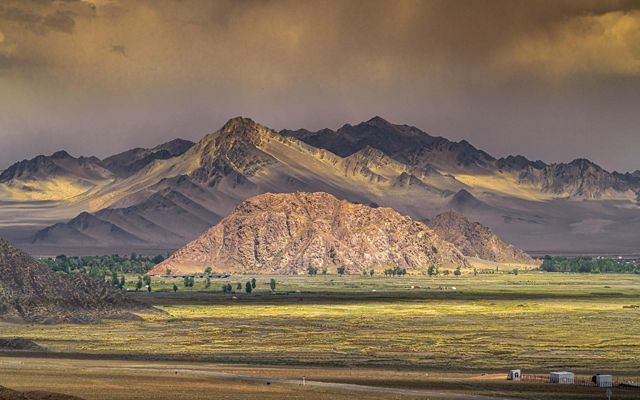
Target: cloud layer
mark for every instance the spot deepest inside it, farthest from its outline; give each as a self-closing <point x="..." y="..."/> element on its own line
<point x="510" y="76"/>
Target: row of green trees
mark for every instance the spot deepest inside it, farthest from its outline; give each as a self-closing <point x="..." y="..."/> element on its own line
<point x="589" y="265"/>
<point x="101" y="267"/>
<point x="249" y="286"/>
<point x="435" y="271"/>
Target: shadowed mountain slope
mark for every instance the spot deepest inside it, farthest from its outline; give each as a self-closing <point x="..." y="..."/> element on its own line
<point x="32" y="292"/>
<point x="131" y="161"/>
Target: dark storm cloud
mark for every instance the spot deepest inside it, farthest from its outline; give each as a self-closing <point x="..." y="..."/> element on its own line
<point x="60" y="21"/>
<point x="550" y="79"/>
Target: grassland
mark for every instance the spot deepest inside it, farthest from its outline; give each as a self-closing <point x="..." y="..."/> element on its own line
<point x="484" y="323"/>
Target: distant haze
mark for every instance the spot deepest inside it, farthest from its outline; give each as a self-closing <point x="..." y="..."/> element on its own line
<point x="552" y="80"/>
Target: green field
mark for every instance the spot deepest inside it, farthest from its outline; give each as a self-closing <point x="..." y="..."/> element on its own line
<point x="534" y="321"/>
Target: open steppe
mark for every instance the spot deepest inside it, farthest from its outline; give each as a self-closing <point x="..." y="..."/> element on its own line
<point x="413" y="332"/>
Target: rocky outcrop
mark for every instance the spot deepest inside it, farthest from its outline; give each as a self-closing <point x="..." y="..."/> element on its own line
<point x="288" y="233"/>
<point x="31" y="292"/>
<point x="476" y="240"/>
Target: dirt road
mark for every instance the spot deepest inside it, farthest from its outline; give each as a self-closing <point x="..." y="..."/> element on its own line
<point x="220" y="375"/>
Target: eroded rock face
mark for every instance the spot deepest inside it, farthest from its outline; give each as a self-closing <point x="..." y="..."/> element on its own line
<point x="476" y="240"/>
<point x="31" y="292"/>
<point x="287" y="233"/>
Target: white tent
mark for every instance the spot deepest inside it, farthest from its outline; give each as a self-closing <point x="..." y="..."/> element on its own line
<point x="604" y="380"/>
<point x="562" y="377"/>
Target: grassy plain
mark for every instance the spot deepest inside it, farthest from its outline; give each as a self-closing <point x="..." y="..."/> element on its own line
<point x="536" y="321"/>
<point x="472" y="325"/>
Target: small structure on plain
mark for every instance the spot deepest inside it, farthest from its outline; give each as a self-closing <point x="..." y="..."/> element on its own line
<point x="514" y="375"/>
<point x="603" y="380"/>
<point x="562" y="378"/>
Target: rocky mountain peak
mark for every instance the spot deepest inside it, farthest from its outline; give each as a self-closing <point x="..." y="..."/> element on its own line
<point x="378" y="122"/>
<point x="287" y="233"/>
<point x="60" y="154"/>
<point x="239" y="125"/>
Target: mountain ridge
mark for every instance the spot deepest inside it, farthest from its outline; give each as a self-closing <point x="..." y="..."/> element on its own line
<point x="532" y="203"/>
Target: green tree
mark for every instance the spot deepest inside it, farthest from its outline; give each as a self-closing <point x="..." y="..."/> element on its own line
<point x="372" y="272"/>
<point x="253" y="283"/>
<point x="207" y="283"/>
<point x="341" y="270"/>
<point x="239" y="286"/>
<point x="229" y="288"/>
<point x="273" y="284"/>
<point x="431" y="271"/>
<point x="157" y="259"/>
<point x="147" y="282"/>
<point x="114" y="279"/>
<point x="312" y="271"/>
<point x="175" y="287"/>
<point x="457" y="272"/>
<point x="123" y="282"/>
<point x="139" y="283"/>
<point x="248" y="288"/>
<point x="208" y="270"/>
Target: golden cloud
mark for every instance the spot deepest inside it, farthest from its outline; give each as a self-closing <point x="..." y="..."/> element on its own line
<point x="606" y="44"/>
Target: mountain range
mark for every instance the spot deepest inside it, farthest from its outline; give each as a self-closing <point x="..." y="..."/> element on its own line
<point x="167" y="196"/>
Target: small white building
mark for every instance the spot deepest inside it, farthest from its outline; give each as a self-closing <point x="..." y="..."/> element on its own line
<point x="514" y="375"/>
<point x="603" y="380"/>
<point x="562" y="378"/>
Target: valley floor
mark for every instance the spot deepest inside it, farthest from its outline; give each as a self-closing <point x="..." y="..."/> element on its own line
<point x="412" y="332"/>
<point x="115" y="380"/>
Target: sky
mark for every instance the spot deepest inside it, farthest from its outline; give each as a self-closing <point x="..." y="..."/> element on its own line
<point x="552" y="80"/>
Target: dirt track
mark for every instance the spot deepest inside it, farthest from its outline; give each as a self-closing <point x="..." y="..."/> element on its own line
<point x="422" y="393"/>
